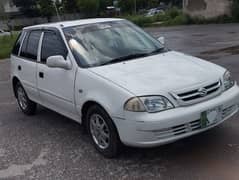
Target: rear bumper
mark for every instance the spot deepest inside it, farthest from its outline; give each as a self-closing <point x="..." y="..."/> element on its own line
<point x="154" y="129"/>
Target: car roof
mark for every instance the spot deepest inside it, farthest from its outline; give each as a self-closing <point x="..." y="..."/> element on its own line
<point x="63" y="24"/>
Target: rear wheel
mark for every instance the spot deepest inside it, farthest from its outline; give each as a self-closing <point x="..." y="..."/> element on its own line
<point x="102" y="132"/>
<point x="26" y="105"/>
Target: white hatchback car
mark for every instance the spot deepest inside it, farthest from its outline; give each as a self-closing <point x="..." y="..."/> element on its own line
<point x="123" y="85"/>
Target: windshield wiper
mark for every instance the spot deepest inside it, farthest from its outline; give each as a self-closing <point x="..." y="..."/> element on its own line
<point x="125" y="58"/>
<point x="133" y="56"/>
<point x="159" y="50"/>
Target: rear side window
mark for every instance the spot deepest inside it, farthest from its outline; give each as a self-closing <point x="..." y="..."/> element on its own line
<point x="17" y="45"/>
<point x="30" y="45"/>
<point x="52" y="45"/>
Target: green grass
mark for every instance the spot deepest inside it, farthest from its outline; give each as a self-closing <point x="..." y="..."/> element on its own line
<point x="6" y="45"/>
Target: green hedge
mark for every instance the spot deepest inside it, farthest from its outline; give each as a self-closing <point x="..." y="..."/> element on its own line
<point x="6" y="45"/>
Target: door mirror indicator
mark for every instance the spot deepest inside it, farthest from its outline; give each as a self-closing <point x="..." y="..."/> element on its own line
<point x="58" y="62"/>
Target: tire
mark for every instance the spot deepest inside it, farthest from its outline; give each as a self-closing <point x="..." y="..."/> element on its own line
<point x="27" y="106"/>
<point x="105" y="129"/>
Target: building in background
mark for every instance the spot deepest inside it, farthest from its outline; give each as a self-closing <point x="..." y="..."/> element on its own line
<point x="207" y="8"/>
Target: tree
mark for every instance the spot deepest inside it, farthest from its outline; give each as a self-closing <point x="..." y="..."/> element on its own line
<point x="46" y="8"/>
<point x="235" y="10"/>
<point x="89" y="8"/>
<point x="2" y="3"/>
<point x="69" y="6"/>
<point x="5" y="16"/>
<point x="28" y="7"/>
<point x="59" y="6"/>
<point x="103" y="4"/>
<point x="178" y="3"/>
<point x="127" y="6"/>
<point x="34" y="8"/>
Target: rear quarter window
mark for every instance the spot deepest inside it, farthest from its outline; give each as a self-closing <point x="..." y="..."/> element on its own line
<point x="30" y="45"/>
<point x="17" y="44"/>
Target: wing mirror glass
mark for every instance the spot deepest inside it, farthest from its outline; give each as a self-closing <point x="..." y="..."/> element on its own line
<point x="58" y="62"/>
<point x="161" y="40"/>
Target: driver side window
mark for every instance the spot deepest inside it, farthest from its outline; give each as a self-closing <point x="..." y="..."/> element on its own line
<point x="52" y="45"/>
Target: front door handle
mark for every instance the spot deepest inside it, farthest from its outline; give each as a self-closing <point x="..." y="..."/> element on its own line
<point x="41" y="75"/>
<point x="19" y="68"/>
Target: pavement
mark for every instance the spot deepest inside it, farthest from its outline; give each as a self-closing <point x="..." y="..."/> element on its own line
<point x="48" y="146"/>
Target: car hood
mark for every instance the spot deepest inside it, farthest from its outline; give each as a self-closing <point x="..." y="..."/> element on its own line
<point x="160" y="73"/>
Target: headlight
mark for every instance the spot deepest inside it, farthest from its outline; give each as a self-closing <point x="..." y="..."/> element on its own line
<point x="135" y="105"/>
<point x="148" y="103"/>
<point x="227" y="80"/>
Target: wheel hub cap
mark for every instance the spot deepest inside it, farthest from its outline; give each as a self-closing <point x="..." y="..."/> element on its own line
<point x="99" y="131"/>
<point x="22" y="99"/>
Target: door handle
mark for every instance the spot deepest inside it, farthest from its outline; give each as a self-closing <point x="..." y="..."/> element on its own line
<point x="41" y="74"/>
<point x="19" y="68"/>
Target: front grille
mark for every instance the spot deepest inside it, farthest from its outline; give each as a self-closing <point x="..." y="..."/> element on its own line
<point x="197" y="94"/>
<point x="228" y="111"/>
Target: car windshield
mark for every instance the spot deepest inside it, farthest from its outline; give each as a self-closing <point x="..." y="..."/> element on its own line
<point x="109" y="42"/>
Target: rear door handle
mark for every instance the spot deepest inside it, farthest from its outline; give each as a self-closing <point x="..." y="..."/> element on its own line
<point x="41" y="75"/>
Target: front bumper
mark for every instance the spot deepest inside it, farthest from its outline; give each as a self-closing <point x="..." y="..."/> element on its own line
<point x="141" y="129"/>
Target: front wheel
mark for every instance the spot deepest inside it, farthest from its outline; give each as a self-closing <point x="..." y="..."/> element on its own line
<point x="102" y="132"/>
<point x="26" y="105"/>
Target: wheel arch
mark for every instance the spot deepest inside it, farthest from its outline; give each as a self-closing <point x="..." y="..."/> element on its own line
<point x="87" y="105"/>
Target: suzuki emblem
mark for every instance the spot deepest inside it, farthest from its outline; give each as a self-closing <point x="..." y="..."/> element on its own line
<point x="202" y="92"/>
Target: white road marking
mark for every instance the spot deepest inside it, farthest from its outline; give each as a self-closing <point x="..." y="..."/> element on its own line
<point x="19" y="170"/>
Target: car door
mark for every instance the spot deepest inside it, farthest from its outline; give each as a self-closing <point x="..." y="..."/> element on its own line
<point x="26" y="63"/>
<point x="55" y="85"/>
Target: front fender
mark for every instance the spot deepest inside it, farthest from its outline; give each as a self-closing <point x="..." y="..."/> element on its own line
<point x="92" y="87"/>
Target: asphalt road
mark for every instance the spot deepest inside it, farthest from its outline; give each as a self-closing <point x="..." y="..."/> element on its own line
<point x="50" y="146"/>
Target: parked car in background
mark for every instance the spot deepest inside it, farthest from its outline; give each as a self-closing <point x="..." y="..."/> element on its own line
<point x="4" y="33"/>
<point x="120" y="83"/>
<point x="154" y="11"/>
<point x="157" y="10"/>
<point x="112" y="11"/>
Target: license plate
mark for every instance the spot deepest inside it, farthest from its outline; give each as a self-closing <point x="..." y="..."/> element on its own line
<point x="210" y="117"/>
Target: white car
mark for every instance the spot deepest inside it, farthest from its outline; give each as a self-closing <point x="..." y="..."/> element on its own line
<point x="4" y="33"/>
<point x="154" y="11"/>
<point x="123" y="85"/>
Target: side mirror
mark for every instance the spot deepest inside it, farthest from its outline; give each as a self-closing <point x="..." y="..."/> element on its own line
<point x="58" y="62"/>
<point x="161" y="40"/>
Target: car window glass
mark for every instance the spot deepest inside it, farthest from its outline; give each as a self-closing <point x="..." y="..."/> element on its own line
<point x="52" y="45"/>
<point x="99" y="43"/>
<point x="24" y="45"/>
<point x="17" y="45"/>
<point x="30" y="45"/>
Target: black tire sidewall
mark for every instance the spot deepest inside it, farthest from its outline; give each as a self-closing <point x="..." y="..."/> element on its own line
<point x="31" y="106"/>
